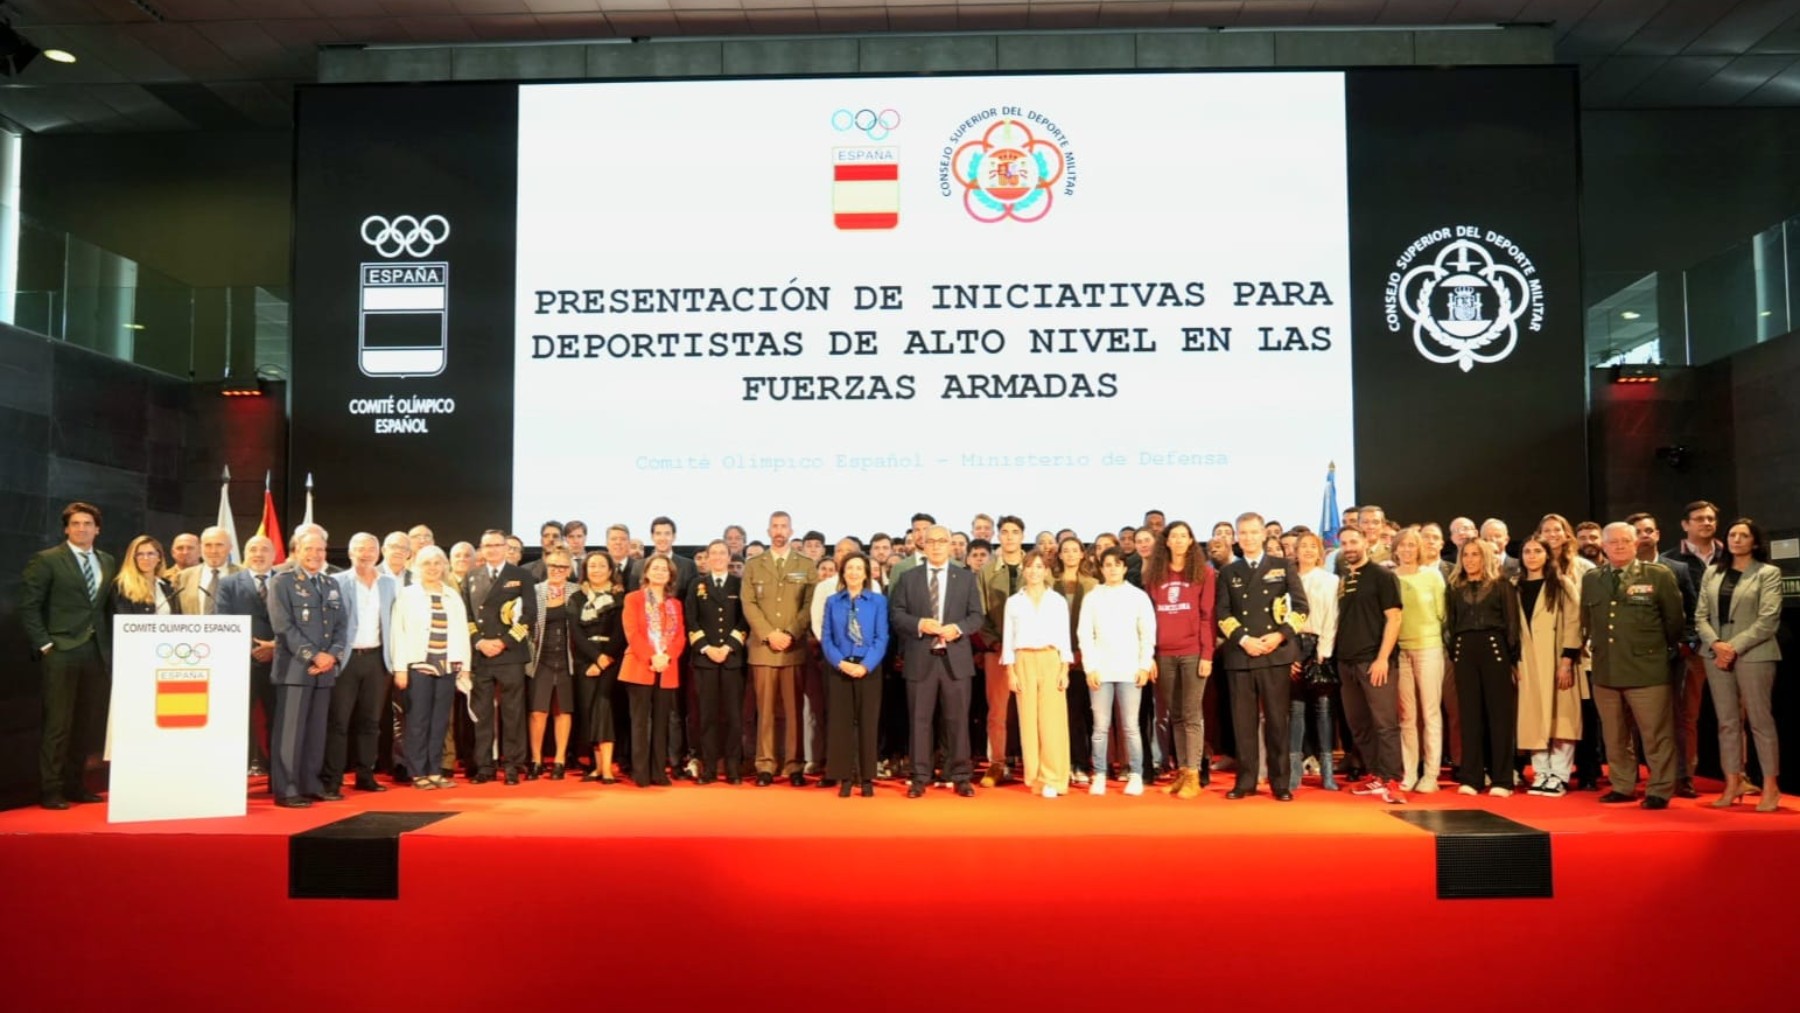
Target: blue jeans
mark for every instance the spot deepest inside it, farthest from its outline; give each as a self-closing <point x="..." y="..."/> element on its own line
<point x="1321" y="707"/>
<point x="1127" y="695"/>
<point x="429" y="700"/>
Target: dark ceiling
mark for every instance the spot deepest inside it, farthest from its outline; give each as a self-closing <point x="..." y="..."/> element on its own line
<point x="224" y="64"/>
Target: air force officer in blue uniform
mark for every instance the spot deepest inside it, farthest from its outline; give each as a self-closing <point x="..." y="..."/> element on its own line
<point x="306" y="612"/>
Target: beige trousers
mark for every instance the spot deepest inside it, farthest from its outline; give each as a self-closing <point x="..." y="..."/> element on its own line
<point x="1043" y="718"/>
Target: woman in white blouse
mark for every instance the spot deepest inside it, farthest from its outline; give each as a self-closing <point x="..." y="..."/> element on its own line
<point x="1321" y="629"/>
<point x="1035" y="649"/>
<point x="1117" y="634"/>
<point x="429" y="647"/>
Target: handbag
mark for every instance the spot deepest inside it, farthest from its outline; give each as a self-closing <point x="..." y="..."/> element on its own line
<point x="1313" y="670"/>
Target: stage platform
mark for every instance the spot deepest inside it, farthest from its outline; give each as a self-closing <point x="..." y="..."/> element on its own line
<point x="740" y="898"/>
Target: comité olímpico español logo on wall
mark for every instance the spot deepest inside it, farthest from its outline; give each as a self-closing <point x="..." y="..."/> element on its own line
<point x="1468" y="301"/>
<point x="1007" y="163"/>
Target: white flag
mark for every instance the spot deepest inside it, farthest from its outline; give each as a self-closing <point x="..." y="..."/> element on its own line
<point x="226" y="523"/>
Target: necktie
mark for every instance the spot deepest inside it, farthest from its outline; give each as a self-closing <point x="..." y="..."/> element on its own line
<point x="935" y="607"/>
<point x="88" y="574"/>
<point x="262" y="587"/>
<point x="719" y="583"/>
<point x="211" y="605"/>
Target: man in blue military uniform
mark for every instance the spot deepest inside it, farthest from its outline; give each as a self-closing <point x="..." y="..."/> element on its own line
<point x="306" y="614"/>
<point x="1262" y="605"/>
<point x="1632" y="619"/>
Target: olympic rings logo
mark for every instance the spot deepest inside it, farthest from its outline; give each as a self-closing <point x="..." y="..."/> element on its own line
<point x="876" y="126"/>
<point x="183" y="654"/>
<point x="405" y="234"/>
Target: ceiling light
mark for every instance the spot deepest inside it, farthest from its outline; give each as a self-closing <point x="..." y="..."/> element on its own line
<point x="59" y="55"/>
<point x="134" y="327"/>
<point x="1631" y="314"/>
<point x="1767" y="313"/>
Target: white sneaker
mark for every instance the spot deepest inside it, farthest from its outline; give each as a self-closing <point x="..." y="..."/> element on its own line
<point x="1097" y="786"/>
<point x="1467" y="790"/>
<point x="1426" y="785"/>
<point x="1135" y="786"/>
<point x="1078" y="779"/>
<point x="1407" y="784"/>
<point x="1498" y="792"/>
<point x="1049" y="792"/>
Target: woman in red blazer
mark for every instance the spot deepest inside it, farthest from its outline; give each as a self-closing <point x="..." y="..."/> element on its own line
<point x="656" y="632"/>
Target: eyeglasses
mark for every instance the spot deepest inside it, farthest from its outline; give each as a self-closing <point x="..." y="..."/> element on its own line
<point x="937" y="541"/>
<point x="557" y="566"/>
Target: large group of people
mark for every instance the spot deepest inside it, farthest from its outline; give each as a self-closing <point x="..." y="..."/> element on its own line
<point x="1374" y="654"/>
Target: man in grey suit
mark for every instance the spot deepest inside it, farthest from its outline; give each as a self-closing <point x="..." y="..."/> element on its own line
<point x="246" y="593"/>
<point x="197" y="587"/>
<point x="62" y="605"/>
<point x="934" y="608"/>
<point x="306" y="613"/>
<point x="359" y="698"/>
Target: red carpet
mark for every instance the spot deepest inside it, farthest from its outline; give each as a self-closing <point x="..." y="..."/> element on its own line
<point x="758" y="898"/>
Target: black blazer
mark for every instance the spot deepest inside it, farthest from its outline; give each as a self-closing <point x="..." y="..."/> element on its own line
<point x="602" y="633"/>
<point x="911" y="602"/>
<point x="715" y="618"/>
<point x="1252" y="603"/>
<point x="119" y="605"/>
<point x="485" y="600"/>
<point x="237" y="597"/>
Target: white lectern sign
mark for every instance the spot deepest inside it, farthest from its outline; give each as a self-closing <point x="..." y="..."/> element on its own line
<point x="180" y="717"/>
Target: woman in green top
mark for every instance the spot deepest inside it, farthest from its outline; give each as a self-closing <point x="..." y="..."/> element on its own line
<point x="1421" y="663"/>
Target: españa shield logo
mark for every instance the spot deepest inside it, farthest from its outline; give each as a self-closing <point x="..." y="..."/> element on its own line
<point x="865" y="188"/>
<point x="182" y="697"/>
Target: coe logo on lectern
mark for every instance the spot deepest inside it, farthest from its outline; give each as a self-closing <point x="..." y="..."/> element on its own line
<point x="184" y="688"/>
<point x="1468" y="301"/>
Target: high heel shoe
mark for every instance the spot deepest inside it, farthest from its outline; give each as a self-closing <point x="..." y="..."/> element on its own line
<point x="1734" y="790"/>
<point x="534" y="772"/>
<point x="558" y="772"/>
<point x="1771" y="798"/>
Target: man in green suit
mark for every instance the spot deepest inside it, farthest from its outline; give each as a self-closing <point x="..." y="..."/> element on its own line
<point x="62" y="604"/>
<point x="1632" y="618"/>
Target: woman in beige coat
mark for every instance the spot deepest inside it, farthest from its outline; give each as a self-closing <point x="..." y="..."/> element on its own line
<point x="1549" y="650"/>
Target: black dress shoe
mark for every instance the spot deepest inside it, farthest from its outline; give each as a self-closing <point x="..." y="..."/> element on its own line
<point x="1617" y="797"/>
<point x="1283" y="795"/>
<point x="592" y="775"/>
<point x="536" y="771"/>
<point x="965" y="789"/>
<point x="1685" y="789"/>
<point x="733" y="779"/>
<point x="705" y="779"/>
<point x="764" y="779"/>
<point x="662" y="782"/>
<point x="512" y="775"/>
<point x="1237" y="793"/>
<point x="827" y="782"/>
<point x="291" y="802"/>
<point x="868" y="789"/>
<point x="915" y="789"/>
<point x="86" y="796"/>
<point x="370" y="785"/>
<point x="1205" y="775"/>
<point x="843" y="789"/>
<point x="482" y="777"/>
<point x="1654" y="802"/>
<point x="558" y="772"/>
<point x="1586" y="784"/>
<point x="330" y="795"/>
<point x="54" y="802"/>
<point x="797" y="779"/>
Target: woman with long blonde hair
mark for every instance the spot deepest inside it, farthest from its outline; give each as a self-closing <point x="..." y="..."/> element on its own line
<point x="1482" y="624"/>
<point x="1422" y="613"/>
<point x="139" y="589"/>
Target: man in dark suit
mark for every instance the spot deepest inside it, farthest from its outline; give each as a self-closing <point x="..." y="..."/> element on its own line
<point x="246" y="593"/>
<point x="1262" y="605"/>
<point x="934" y="608"/>
<point x="62" y="605"/>
<point x="306" y="612"/>
<point x="502" y="609"/>
<point x="717" y="633"/>
<point x="618" y="549"/>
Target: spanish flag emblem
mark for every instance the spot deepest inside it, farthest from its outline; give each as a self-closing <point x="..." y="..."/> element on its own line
<point x="181" y="697"/>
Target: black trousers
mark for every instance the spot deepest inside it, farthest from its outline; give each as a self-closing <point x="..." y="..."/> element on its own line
<point x="358" y="708"/>
<point x="262" y="691"/>
<point x="650" y="710"/>
<point x="77" y="689"/>
<point x="853" y="718"/>
<point x="721" y="695"/>
<point x="510" y="678"/>
<point x="1081" y="723"/>
<point x="1263" y="691"/>
<point x="928" y="693"/>
<point x="896" y="725"/>
<point x="1488" y="703"/>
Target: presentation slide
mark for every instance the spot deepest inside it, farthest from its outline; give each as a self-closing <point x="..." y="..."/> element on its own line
<point x="1068" y="296"/>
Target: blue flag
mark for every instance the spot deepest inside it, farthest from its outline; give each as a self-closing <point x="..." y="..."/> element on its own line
<point x="1329" y="514"/>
